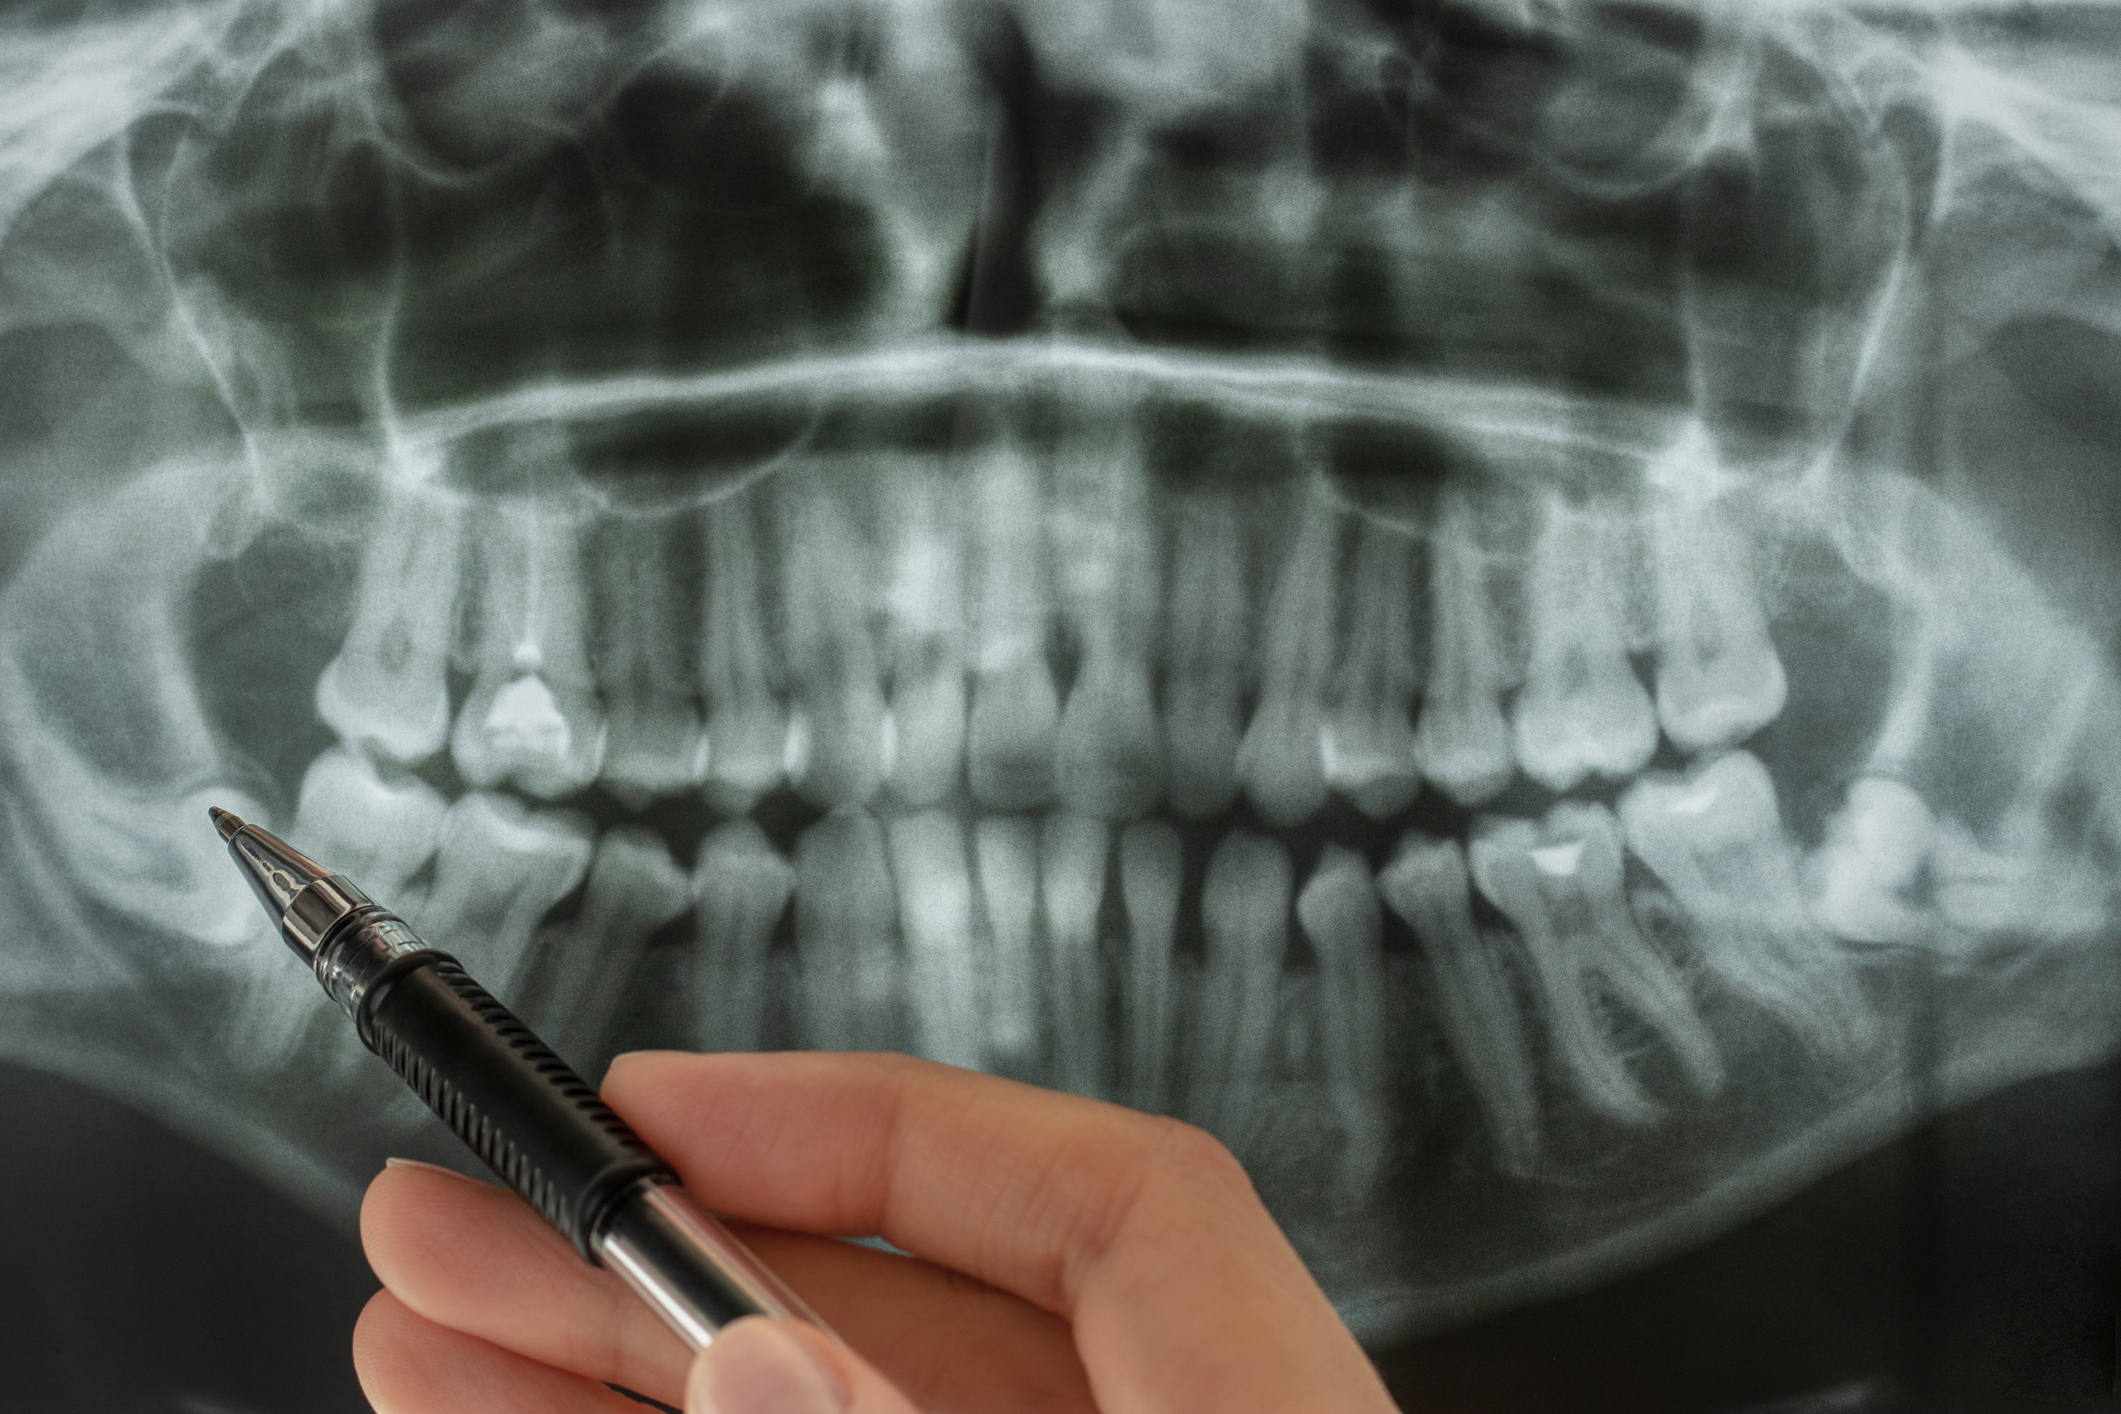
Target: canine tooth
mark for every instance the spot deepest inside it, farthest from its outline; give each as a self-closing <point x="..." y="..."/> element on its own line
<point x="1560" y="885"/>
<point x="1582" y="710"/>
<point x="846" y="931"/>
<point x="377" y="832"/>
<point x="1206" y="647"/>
<point x="1281" y="759"/>
<point x="499" y="869"/>
<point x="654" y="741"/>
<point x="1715" y="838"/>
<point x="1426" y="885"/>
<point x="1339" y="913"/>
<point x="1719" y="679"/>
<point x="1015" y="711"/>
<point x="1244" y="911"/>
<point x="1863" y="878"/>
<point x="926" y="639"/>
<point x="1369" y="740"/>
<point x="1006" y="847"/>
<point x="740" y="888"/>
<point x="387" y="691"/>
<point x="532" y="716"/>
<point x="829" y="658"/>
<point x="1149" y="880"/>
<point x="747" y="728"/>
<point x="935" y="918"/>
<point x="634" y="889"/>
<point x="1460" y="739"/>
<point x="1072" y="886"/>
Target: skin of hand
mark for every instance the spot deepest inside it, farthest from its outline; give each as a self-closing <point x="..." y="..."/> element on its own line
<point x="1067" y="1256"/>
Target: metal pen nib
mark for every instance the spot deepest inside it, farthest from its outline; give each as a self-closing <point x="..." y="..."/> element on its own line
<point x="300" y="895"/>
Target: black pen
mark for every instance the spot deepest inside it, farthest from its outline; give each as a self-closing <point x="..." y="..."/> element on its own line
<point x="536" y="1123"/>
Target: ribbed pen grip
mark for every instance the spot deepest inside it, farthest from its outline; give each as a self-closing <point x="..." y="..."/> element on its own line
<point x="535" y="1122"/>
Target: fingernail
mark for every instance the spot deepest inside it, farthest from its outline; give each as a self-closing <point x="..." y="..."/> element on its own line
<point x="761" y="1366"/>
<point x="397" y="1163"/>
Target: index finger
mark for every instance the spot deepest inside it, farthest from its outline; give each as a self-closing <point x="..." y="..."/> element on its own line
<point x="1143" y="1232"/>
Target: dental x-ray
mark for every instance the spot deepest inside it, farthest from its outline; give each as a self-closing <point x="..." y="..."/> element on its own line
<point x="1507" y="604"/>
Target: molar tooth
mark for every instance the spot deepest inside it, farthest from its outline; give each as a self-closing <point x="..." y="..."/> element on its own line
<point x="1719" y="679"/>
<point x="747" y="728"/>
<point x="1864" y="878"/>
<point x="1149" y="881"/>
<point x="935" y="918"/>
<point x="846" y="930"/>
<point x="1560" y="885"/>
<point x="1426" y="885"/>
<point x="1072" y="885"/>
<point x="1206" y="647"/>
<point x="640" y="662"/>
<point x="1582" y="710"/>
<point x="1715" y="838"/>
<point x="1015" y="710"/>
<point x="1369" y="742"/>
<point x="740" y="888"/>
<point x="1339" y="913"/>
<point x="499" y="869"/>
<point x="387" y="691"/>
<point x="634" y="889"/>
<point x="1281" y="760"/>
<point x="1244" y="912"/>
<point x="1460" y="740"/>
<point x="926" y="638"/>
<point x="830" y="658"/>
<point x="376" y="832"/>
<point x="1006" y="847"/>
<point x="532" y="715"/>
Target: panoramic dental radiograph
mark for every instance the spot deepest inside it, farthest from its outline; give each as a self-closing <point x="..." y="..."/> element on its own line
<point x="1507" y="605"/>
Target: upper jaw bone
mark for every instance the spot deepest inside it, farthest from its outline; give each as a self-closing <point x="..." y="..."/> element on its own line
<point x="1009" y="747"/>
<point x="1460" y="740"/>
<point x="1719" y="679"/>
<point x="640" y="660"/>
<point x="829" y="657"/>
<point x="1281" y="760"/>
<point x="1369" y="740"/>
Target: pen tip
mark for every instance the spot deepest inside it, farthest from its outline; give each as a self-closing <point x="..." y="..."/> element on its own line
<point x="224" y="821"/>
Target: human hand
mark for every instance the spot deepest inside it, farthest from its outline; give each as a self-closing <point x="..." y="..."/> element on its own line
<point x="1069" y="1255"/>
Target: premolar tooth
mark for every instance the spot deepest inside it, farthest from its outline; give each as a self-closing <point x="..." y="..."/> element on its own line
<point x="935" y="918"/>
<point x="1460" y="740"/>
<point x="1015" y="710"/>
<point x="1560" y="885"/>
<point x="1339" y="914"/>
<point x="640" y="660"/>
<point x="1718" y="677"/>
<point x="634" y="889"/>
<point x="376" y="832"/>
<point x="1149" y="880"/>
<point x="830" y="658"/>
<point x="1582" y="710"/>
<point x="1072" y="885"/>
<point x="846" y="930"/>
<point x="747" y="727"/>
<point x="1007" y="850"/>
<point x="1427" y="886"/>
<point x="1715" y="838"/>
<point x="532" y="715"/>
<point x="740" y="888"/>
<point x="387" y="692"/>
<point x="1369" y="743"/>
<point x="926" y="639"/>
<point x="499" y="869"/>
<point x="1244" y="913"/>
<point x="1281" y="760"/>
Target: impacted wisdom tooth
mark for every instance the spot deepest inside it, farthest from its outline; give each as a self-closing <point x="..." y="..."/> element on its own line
<point x="1281" y="759"/>
<point x="373" y="831"/>
<point x="1206" y="653"/>
<point x="1460" y="740"/>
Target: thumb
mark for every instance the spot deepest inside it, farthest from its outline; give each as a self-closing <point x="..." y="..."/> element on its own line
<point x="762" y="1366"/>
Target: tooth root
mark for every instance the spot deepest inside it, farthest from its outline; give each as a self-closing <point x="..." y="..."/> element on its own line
<point x="846" y="931"/>
<point x="1865" y="876"/>
<point x="926" y="605"/>
<point x="1009" y="743"/>
<point x="1072" y="887"/>
<point x="1149" y="878"/>
<point x="1206" y="647"/>
<point x="1719" y="679"/>
<point x="1427" y="886"/>
<point x="1369" y="745"/>
<point x="499" y="869"/>
<point x="1244" y="912"/>
<point x="747" y="728"/>
<point x="740" y="887"/>
<point x="1715" y="838"/>
<point x="935" y="918"/>
<point x="1460" y="739"/>
<point x="642" y="668"/>
<point x="387" y="691"/>
<point x="1281" y="760"/>
<point x="634" y="889"/>
<point x="532" y="716"/>
<point x="1007" y="850"/>
<point x="1582" y="710"/>
<point x="1338" y="912"/>
<point x="379" y="833"/>
<point x="830" y="658"/>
